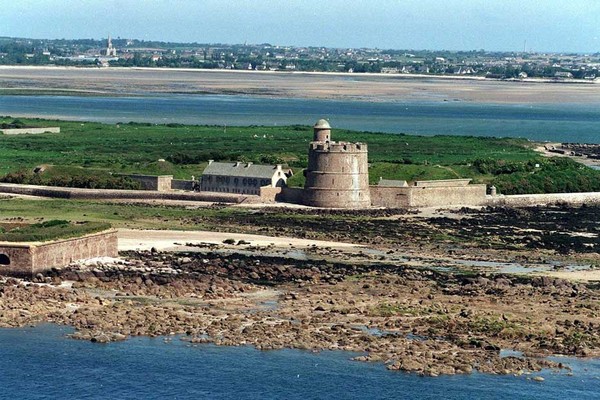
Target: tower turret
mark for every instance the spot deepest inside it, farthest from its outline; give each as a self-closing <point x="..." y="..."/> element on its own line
<point x="322" y="131"/>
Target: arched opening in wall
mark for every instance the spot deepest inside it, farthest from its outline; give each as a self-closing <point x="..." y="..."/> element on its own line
<point x="4" y="260"/>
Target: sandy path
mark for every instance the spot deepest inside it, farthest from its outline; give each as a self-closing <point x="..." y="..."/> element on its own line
<point x="131" y="239"/>
<point x="593" y="275"/>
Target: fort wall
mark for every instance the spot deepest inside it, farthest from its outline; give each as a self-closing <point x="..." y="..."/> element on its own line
<point x="114" y="194"/>
<point x="269" y="194"/>
<point x="292" y="195"/>
<point x="442" y="182"/>
<point x="180" y="184"/>
<point x="160" y="183"/>
<point x="523" y="200"/>
<point x="27" y="259"/>
<point x="428" y="196"/>
<point x="390" y="197"/>
<point x="471" y="195"/>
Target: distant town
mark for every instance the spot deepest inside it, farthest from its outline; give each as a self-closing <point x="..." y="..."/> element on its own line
<point x="118" y="52"/>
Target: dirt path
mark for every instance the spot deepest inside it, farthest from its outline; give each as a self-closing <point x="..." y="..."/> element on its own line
<point x="582" y="160"/>
<point x="131" y="239"/>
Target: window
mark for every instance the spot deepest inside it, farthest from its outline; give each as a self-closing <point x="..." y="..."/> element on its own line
<point x="4" y="260"/>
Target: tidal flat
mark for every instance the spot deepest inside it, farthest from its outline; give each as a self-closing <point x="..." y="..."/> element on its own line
<point x="371" y="87"/>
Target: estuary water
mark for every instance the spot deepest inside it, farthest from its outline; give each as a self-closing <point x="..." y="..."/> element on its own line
<point x="568" y="122"/>
<point x="40" y="363"/>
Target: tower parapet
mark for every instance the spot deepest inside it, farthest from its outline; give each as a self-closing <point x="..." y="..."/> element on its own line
<point x="337" y="175"/>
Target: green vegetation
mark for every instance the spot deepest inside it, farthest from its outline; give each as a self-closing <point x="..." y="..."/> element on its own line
<point x="71" y="177"/>
<point x="389" y="310"/>
<point x="88" y="154"/>
<point x="49" y="230"/>
<point x="118" y="215"/>
<point x="554" y="175"/>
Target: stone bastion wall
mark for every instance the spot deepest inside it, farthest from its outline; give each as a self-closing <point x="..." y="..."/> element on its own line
<point x="524" y="200"/>
<point x="114" y="194"/>
<point x="160" y="183"/>
<point x="27" y="259"/>
<point x="428" y="196"/>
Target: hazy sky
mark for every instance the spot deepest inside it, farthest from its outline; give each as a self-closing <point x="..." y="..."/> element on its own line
<point x="546" y="25"/>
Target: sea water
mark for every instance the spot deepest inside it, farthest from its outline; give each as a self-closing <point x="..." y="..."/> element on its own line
<point x="41" y="363"/>
<point x="541" y="122"/>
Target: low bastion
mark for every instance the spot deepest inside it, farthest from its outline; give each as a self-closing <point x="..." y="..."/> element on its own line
<point x="29" y="258"/>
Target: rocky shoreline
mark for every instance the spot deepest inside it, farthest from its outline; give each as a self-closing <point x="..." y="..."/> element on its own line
<point x="417" y="320"/>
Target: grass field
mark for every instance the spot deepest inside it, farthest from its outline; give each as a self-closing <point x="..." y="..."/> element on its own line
<point x="96" y="149"/>
<point x="118" y="215"/>
<point x="48" y="230"/>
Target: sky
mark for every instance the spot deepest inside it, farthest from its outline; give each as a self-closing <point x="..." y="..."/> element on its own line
<point x="494" y="25"/>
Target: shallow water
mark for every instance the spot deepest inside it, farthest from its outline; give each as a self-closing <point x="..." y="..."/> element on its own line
<point x="549" y="122"/>
<point x="40" y="363"/>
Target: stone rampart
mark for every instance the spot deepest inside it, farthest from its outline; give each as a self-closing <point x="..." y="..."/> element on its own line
<point x="428" y="196"/>
<point x="30" y="131"/>
<point x="180" y="184"/>
<point x="27" y="259"/>
<point x="523" y="200"/>
<point x="159" y="183"/>
<point x="113" y="194"/>
<point x="442" y="183"/>
<point x="471" y="195"/>
<point x="390" y="196"/>
<point x="292" y="195"/>
<point x="269" y="194"/>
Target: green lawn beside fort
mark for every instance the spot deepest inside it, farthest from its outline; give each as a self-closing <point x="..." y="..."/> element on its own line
<point x="89" y="154"/>
<point x="49" y="230"/>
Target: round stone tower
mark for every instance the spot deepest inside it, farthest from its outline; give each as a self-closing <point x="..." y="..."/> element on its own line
<point x="337" y="175"/>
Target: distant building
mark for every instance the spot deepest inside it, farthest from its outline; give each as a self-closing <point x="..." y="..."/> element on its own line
<point x="241" y="178"/>
<point x="464" y="71"/>
<point x="109" y="51"/>
<point x="562" y="74"/>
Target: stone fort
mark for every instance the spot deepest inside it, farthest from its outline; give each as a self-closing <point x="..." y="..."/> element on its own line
<point x="337" y="173"/>
<point x="337" y="176"/>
